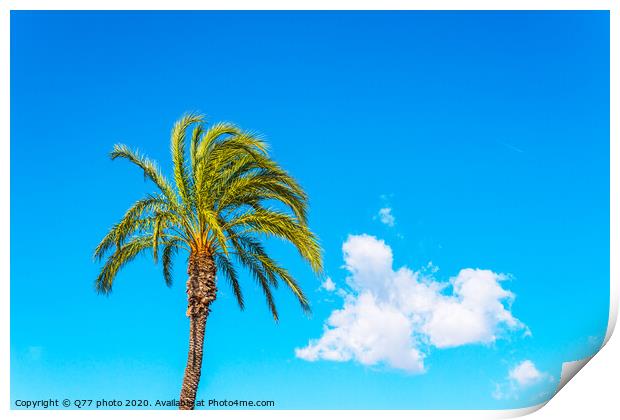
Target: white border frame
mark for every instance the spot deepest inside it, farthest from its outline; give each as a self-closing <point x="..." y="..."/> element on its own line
<point x="569" y="369"/>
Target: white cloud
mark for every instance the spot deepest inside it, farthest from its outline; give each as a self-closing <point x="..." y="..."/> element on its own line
<point x="523" y="376"/>
<point x="526" y="374"/>
<point x="473" y="313"/>
<point x="389" y="315"/>
<point x="328" y="284"/>
<point x="386" y="216"/>
<point x="368" y="332"/>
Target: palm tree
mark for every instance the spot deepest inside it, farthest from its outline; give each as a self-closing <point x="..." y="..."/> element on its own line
<point x="226" y="199"/>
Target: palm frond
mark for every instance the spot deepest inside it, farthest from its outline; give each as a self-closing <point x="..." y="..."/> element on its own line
<point x="177" y="147"/>
<point x="137" y="219"/>
<point x="212" y="156"/>
<point x="226" y="267"/>
<point x="278" y="224"/>
<point x="218" y="238"/>
<point x="197" y="137"/>
<point x="151" y="171"/>
<point x="269" y="298"/>
<point x="262" y="186"/>
<point x="254" y="257"/>
<point x="170" y="249"/>
<point x="215" y="133"/>
<point x="158" y="232"/>
<point x="292" y="284"/>
<point x="123" y="255"/>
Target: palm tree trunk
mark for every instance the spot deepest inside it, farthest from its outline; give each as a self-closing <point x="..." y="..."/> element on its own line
<point x="201" y="292"/>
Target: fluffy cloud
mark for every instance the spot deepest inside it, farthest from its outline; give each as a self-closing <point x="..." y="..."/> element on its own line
<point x="328" y="285"/>
<point x="386" y="217"/>
<point x="523" y="375"/>
<point x="368" y="332"/>
<point x="526" y="374"/>
<point x="390" y="315"/>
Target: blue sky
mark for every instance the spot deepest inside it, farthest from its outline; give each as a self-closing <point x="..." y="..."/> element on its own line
<point x="485" y="134"/>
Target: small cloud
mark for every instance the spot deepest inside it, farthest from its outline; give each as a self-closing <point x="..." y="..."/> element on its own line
<point x="526" y="374"/>
<point x="498" y="392"/>
<point x="386" y="217"/>
<point x="431" y="268"/>
<point x="328" y="285"/>
<point x="523" y="376"/>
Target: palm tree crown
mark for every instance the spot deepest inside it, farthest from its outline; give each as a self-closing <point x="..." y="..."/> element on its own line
<point x="226" y="198"/>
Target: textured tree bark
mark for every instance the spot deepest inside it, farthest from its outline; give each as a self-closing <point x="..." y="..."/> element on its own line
<point x="201" y="292"/>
